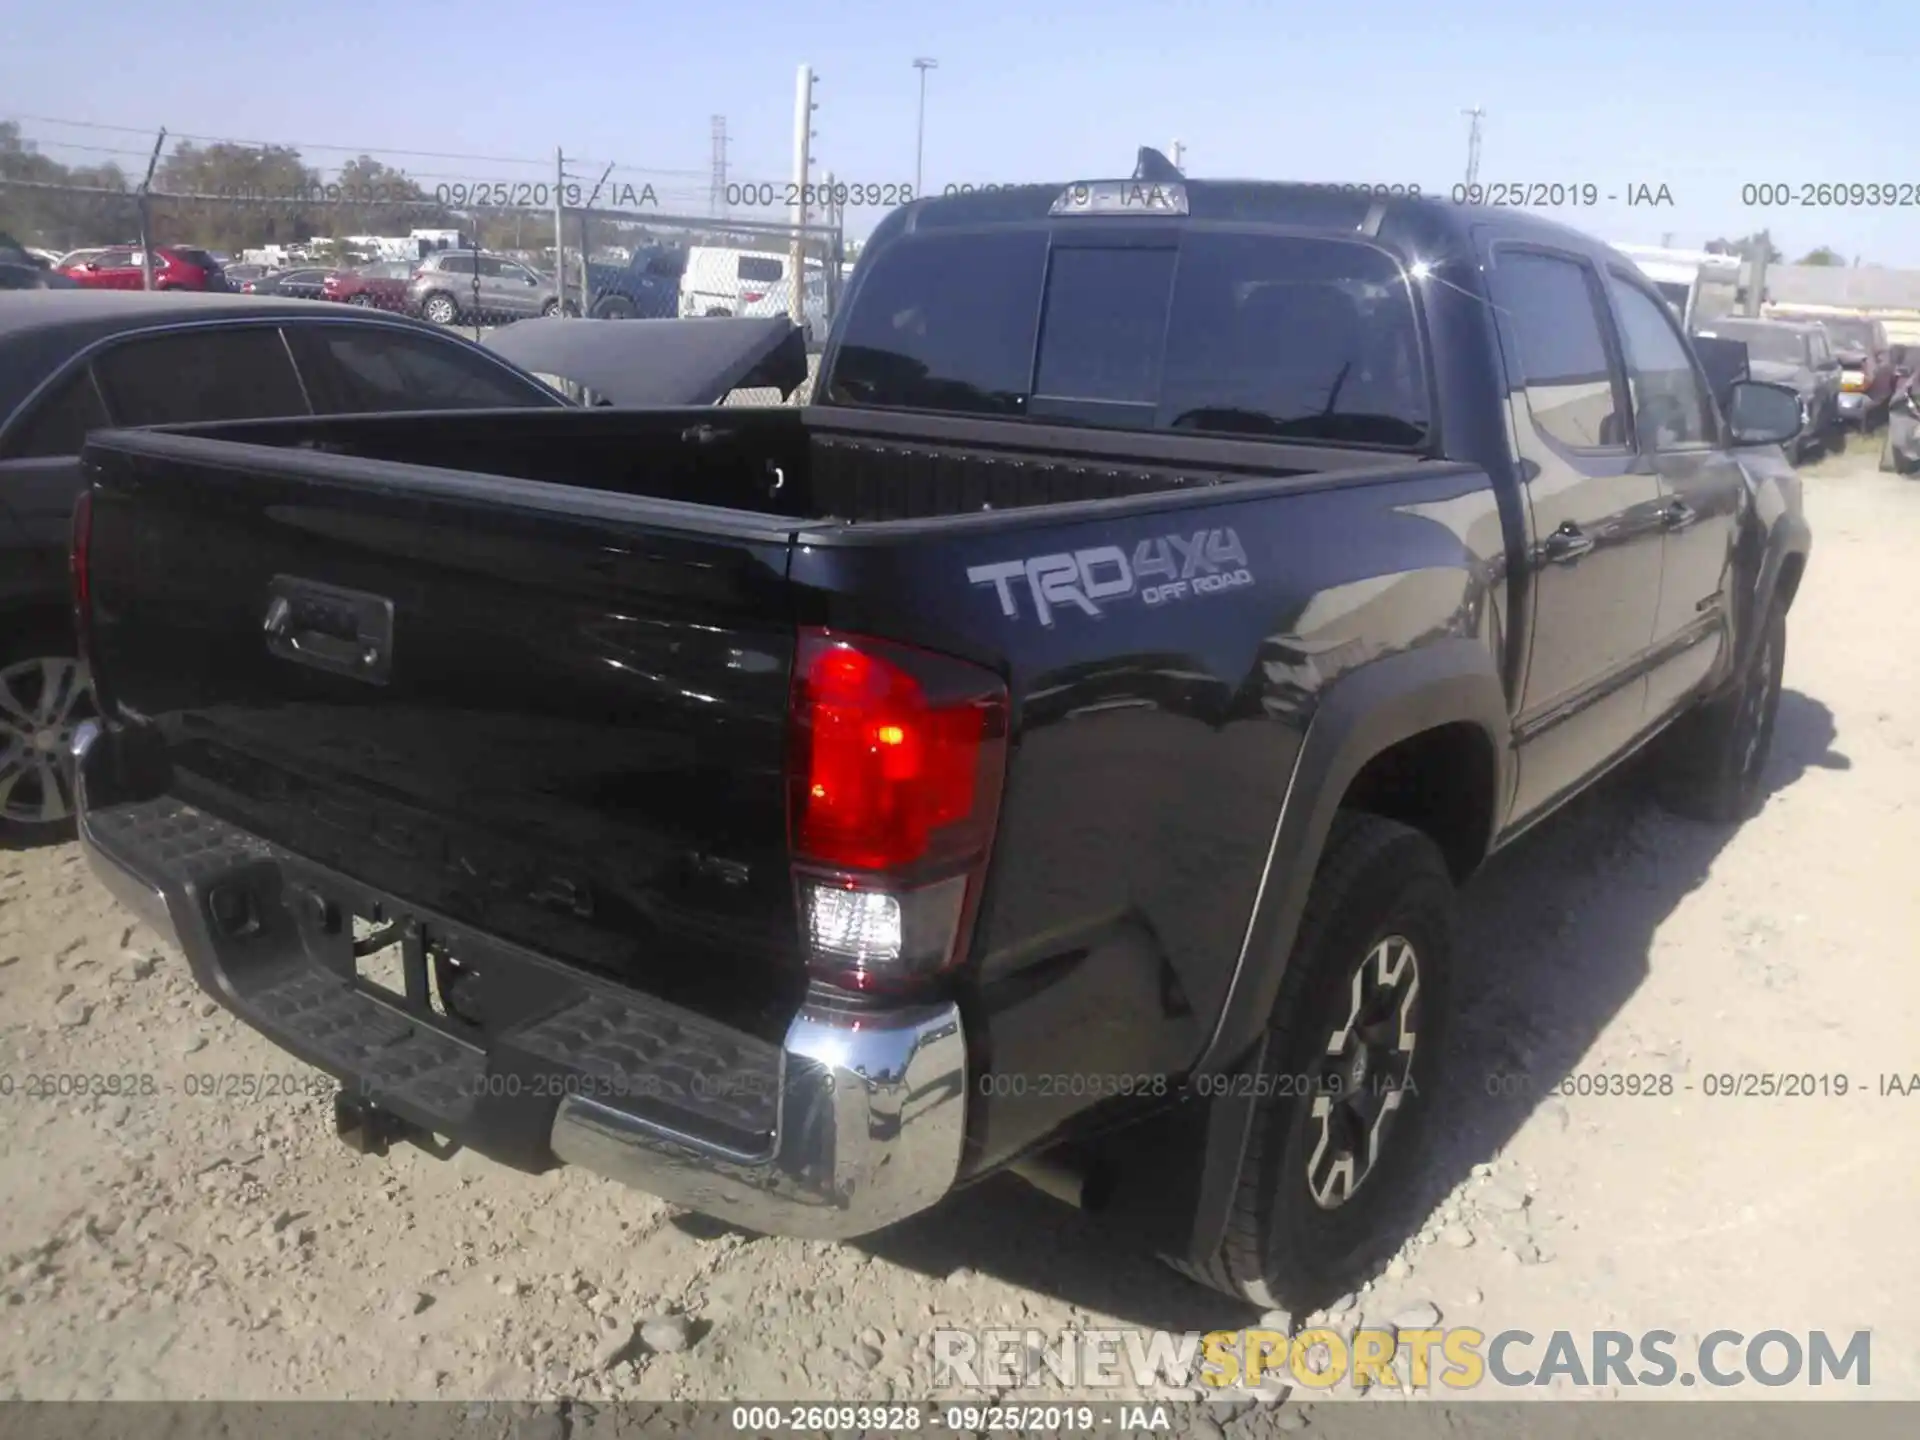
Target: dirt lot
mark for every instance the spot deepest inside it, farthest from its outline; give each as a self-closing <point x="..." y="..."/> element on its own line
<point x="170" y="1245"/>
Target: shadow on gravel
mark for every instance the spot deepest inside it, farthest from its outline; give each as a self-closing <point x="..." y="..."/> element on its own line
<point x="1555" y="935"/>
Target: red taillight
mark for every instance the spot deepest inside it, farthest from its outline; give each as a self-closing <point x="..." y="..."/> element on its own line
<point x="749" y="296"/>
<point x="895" y="766"/>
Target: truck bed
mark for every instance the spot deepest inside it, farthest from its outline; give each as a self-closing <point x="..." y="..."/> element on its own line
<point x="812" y="463"/>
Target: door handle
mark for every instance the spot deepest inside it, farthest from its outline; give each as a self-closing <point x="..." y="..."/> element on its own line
<point x="1567" y="544"/>
<point x="1678" y="515"/>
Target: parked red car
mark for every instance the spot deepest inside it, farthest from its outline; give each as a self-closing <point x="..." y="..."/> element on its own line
<point x="175" y="267"/>
<point x="383" y="286"/>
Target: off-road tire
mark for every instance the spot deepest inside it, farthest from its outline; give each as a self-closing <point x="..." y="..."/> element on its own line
<point x="616" y="307"/>
<point x="1377" y="878"/>
<point x="1709" y="764"/>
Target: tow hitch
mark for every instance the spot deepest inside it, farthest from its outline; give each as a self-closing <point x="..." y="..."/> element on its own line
<point x="365" y="1126"/>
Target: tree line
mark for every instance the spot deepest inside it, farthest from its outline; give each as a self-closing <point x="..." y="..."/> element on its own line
<point x="261" y="195"/>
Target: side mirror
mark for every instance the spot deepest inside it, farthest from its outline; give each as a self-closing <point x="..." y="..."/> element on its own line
<point x="1759" y="413"/>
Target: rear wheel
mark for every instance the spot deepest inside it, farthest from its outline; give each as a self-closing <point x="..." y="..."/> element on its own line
<point x="1347" y="1070"/>
<point x="44" y="695"/>
<point x="441" y="308"/>
<point x="614" y="307"/>
<point x="360" y="299"/>
<point x="1711" y="760"/>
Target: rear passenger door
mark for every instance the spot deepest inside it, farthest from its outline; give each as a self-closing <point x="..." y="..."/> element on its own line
<point x="1595" y="548"/>
<point x="1677" y="433"/>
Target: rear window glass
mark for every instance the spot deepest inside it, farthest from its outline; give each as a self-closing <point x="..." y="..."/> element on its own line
<point x="210" y="374"/>
<point x="1218" y="332"/>
<point x="196" y="257"/>
<point x="762" y="268"/>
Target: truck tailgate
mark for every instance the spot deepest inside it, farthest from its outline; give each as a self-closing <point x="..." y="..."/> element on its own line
<point x="554" y="714"/>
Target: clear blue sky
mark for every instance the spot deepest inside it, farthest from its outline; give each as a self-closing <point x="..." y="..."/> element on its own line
<point x="1619" y="94"/>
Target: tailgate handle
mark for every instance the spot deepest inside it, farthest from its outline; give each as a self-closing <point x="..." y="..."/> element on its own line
<point x="346" y="632"/>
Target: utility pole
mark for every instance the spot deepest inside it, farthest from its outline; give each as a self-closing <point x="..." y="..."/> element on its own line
<point x="146" y="214"/>
<point x="922" y="64"/>
<point x="1179" y="150"/>
<point x="717" y="186"/>
<point x="586" y="298"/>
<point x="1757" y="269"/>
<point x="803" y="107"/>
<point x="559" y="223"/>
<point x="1476" y="115"/>
<point x="1666" y="240"/>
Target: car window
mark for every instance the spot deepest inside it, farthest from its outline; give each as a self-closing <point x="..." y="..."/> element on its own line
<point x="230" y="373"/>
<point x="1552" y="313"/>
<point x="762" y="268"/>
<point x="1218" y="333"/>
<point x="112" y="259"/>
<point x="489" y="267"/>
<point x="514" y="272"/>
<point x="352" y="369"/>
<point x="60" y="420"/>
<point x="1670" y="406"/>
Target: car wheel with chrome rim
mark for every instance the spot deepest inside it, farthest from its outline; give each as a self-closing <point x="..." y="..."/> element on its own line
<point x="44" y="695"/>
<point x="1345" y="1074"/>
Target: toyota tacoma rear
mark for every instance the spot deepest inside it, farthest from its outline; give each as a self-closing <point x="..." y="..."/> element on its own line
<point x="1055" y="750"/>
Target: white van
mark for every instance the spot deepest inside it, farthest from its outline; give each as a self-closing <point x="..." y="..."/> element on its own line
<point x="719" y="280"/>
<point x="1697" y="285"/>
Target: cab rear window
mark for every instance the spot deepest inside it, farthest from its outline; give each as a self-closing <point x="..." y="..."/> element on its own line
<point x="1218" y="332"/>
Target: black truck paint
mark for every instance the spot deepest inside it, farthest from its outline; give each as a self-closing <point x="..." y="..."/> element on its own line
<point x="1213" y="646"/>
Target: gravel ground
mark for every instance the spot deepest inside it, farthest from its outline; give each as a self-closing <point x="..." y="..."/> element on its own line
<point x="171" y="1245"/>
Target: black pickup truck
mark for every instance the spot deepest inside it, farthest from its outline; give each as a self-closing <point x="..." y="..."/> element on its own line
<point x="1055" y="748"/>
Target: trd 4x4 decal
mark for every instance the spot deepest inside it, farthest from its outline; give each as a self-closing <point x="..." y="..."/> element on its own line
<point x="1161" y="569"/>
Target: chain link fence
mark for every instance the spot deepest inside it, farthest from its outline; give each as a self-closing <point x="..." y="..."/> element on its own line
<point x="606" y="242"/>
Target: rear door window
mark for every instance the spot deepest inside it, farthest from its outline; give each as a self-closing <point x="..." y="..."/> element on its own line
<point x="1218" y="332"/>
<point x="1554" y="317"/>
<point x="354" y="369"/>
<point x="230" y="373"/>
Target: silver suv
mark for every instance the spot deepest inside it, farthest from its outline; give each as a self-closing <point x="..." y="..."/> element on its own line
<point x="454" y="286"/>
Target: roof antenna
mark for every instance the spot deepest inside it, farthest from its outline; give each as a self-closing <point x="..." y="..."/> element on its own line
<point x="1154" y="167"/>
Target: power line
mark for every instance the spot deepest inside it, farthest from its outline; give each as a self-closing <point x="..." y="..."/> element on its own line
<point x="304" y="145"/>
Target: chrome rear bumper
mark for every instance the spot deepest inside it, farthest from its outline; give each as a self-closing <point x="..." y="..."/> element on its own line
<point x="855" y="1122"/>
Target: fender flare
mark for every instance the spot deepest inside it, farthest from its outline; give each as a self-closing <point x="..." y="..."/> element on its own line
<point x="1789" y="538"/>
<point x="1361" y="714"/>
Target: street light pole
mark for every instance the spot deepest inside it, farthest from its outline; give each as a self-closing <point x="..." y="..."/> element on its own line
<point x="922" y="64"/>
